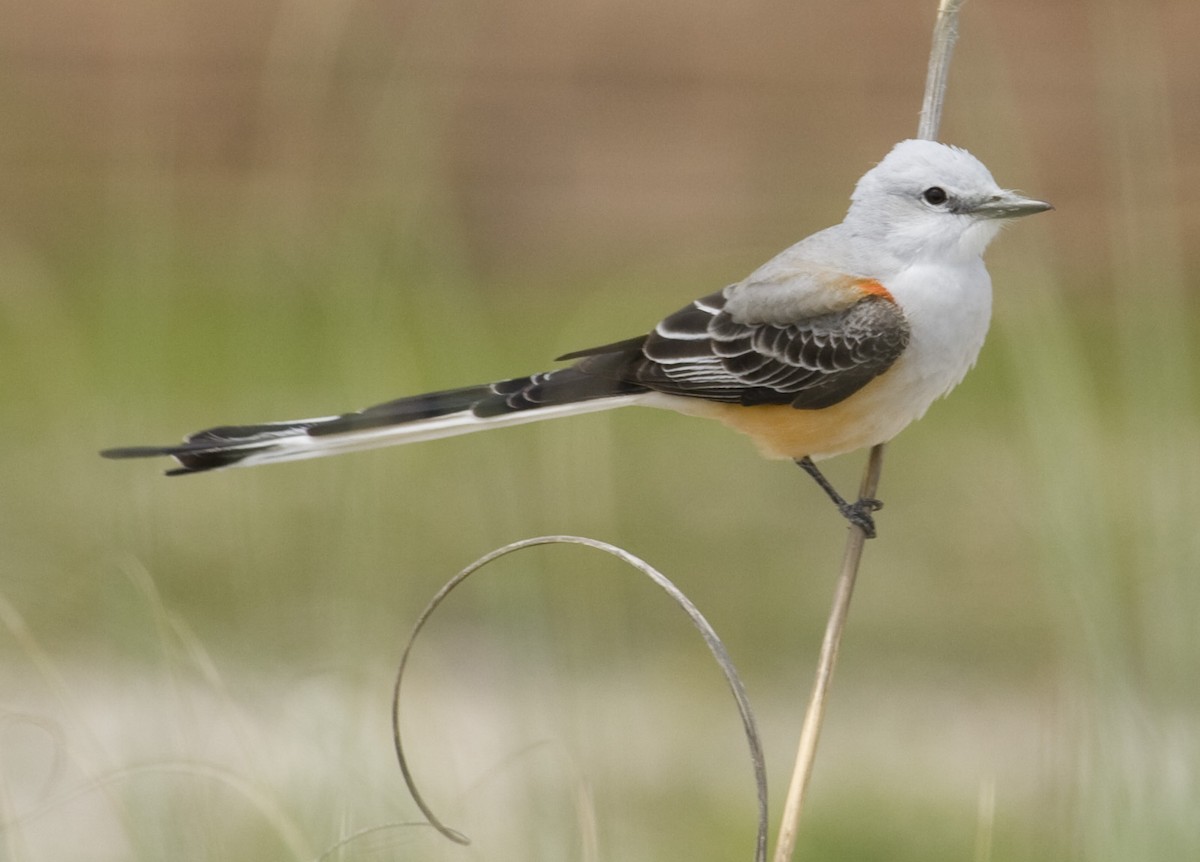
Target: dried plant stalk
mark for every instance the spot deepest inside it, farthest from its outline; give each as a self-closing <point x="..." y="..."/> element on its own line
<point x="945" y="34"/>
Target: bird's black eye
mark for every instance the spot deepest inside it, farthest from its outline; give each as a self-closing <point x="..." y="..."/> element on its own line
<point x="935" y="196"/>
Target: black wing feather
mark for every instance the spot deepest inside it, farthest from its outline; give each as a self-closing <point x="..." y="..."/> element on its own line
<point x="702" y="352"/>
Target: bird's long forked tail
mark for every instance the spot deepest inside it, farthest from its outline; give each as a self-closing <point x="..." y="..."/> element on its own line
<point x="430" y="416"/>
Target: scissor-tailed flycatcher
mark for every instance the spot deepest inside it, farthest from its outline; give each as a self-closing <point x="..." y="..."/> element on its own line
<point x="835" y="344"/>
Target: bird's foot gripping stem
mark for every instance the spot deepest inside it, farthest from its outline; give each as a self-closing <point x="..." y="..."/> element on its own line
<point x="858" y="513"/>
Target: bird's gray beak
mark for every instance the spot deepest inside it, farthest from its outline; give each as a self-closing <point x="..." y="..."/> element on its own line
<point x="1009" y="205"/>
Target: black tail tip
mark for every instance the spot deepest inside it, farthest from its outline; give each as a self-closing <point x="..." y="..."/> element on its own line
<point x="135" y="452"/>
<point x="191" y="459"/>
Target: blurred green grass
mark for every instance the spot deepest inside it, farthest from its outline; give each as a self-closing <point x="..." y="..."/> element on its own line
<point x="199" y="668"/>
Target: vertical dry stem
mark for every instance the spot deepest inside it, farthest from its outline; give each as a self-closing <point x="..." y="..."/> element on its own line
<point x="945" y="34"/>
<point x="811" y="730"/>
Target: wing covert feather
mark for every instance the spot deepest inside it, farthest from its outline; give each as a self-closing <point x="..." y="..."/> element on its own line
<point x="702" y="351"/>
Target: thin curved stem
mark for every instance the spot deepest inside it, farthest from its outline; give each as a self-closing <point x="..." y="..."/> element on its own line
<point x="711" y="640"/>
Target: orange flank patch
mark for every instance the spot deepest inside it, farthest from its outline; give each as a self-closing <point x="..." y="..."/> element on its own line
<point x="874" y="288"/>
<point x="782" y="431"/>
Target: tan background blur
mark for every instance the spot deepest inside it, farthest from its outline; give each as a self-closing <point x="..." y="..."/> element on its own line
<point x="219" y="211"/>
<point x="550" y="130"/>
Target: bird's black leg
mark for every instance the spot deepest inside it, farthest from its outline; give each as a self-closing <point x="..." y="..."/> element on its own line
<point x="857" y="513"/>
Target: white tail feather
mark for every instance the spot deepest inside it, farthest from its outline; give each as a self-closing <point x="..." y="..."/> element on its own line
<point x="303" y="445"/>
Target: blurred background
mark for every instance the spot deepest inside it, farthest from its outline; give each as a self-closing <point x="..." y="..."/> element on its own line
<point x="228" y="212"/>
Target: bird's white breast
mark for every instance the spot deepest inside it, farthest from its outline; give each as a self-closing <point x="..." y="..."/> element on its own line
<point x="948" y="310"/>
<point x="948" y="307"/>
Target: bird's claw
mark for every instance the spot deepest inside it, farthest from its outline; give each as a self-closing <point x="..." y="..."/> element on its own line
<point x="859" y="514"/>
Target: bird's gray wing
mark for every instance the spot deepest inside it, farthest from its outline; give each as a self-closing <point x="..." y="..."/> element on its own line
<point x="815" y="361"/>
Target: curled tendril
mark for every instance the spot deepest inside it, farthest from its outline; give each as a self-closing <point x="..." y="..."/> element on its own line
<point x="720" y="654"/>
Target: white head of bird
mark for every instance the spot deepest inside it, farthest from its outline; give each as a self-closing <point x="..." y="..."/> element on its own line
<point x="932" y="200"/>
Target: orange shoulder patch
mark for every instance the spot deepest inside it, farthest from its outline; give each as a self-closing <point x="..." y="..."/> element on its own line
<point x="873" y="288"/>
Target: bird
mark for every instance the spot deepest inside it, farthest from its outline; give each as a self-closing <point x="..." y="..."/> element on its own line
<point x="836" y="344"/>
